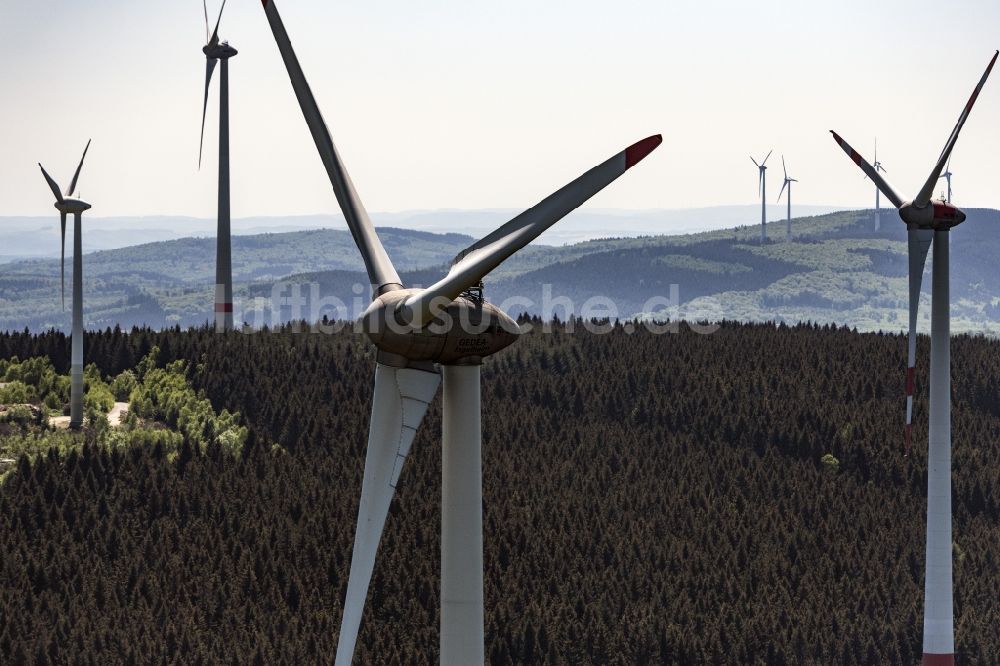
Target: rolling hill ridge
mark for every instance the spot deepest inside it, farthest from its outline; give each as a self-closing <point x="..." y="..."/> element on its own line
<point x="836" y="269"/>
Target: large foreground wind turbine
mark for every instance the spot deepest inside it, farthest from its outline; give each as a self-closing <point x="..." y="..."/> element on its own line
<point x="761" y="185"/>
<point x="68" y="205"/>
<point x="215" y="52"/>
<point x="788" y="182"/>
<point x="450" y="324"/>
<point x="929" y="222"/>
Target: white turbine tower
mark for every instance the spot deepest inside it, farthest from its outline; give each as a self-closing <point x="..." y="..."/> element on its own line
<point x="947" y="176"/>
<point x="215" y="52"/>
<point x="788" y="182"/>
<point x="69" y="205"/>
<point x="878" y="167"/>
<point x="451" y="325"/>
<point x="762" y="187"/>
<point x="930" y="222"/>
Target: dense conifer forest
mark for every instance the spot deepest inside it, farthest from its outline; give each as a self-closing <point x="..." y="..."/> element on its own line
<point x="739" y="497"/>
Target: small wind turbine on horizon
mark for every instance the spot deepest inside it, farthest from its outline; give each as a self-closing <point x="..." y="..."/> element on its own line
<point x="422" y="337"/>
<point x="930" y="222"/>
<point x="878" y="167"/>
<point x="216" y="52"/>
<point x="762" y="187"/>
<point x="788" y="182"/>
<point x="947" y="176"/>
<point x="67" y="204"/>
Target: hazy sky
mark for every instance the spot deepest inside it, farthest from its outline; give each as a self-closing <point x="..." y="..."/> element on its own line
<point x="479" y="104"/>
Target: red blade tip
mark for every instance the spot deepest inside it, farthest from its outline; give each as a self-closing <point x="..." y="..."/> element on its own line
<point x="637" y="151"/>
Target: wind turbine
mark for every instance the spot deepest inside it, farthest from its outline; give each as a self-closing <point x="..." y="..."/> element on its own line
<point x="450" y="324"/>
<point x="69" y="205"/>
<point x="947" y="176"/>
<point x="788" y="182"/>
<point x="761" y="185"/>
<point x="878" y="167"/>
<point x="930" y="222"/>
<point x="215" y="52"/>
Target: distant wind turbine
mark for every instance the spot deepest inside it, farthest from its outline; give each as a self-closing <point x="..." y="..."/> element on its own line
<point x="878" y="167"/>
<point x="947" y="176"/>
<point x="216" y="51"/>
<point x="788" y="182"/>
<point x="930" y="222"/>
<point x="762" y="186"/>
<point x="66" y="205"/>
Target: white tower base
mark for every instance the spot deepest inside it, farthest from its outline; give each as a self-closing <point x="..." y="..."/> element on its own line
<point x="939" y="623"/>
<point x="223" y="239"/>
<point x="878" y="211"/>
<point x="76" y="341"/>
<point x="763" y="207"/>
<point x="788" y="229"/>
<point x="462" y="633"/>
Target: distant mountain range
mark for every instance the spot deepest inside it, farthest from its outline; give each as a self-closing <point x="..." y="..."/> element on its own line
<point x="836" y="270"/>
<point x="30" y="237"/>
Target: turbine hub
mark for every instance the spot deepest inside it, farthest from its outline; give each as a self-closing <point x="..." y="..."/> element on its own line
<point x="466" y="328"/>
<point x="937" y="215"/>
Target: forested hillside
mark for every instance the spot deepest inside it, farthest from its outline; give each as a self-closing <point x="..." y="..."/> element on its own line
<point x="739" y="497"/>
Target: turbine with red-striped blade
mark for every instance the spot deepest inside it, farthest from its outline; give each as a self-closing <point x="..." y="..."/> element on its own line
<point x="762" y="190"/>
<point x="929" y="223"/>
<point x="68" y="204"/>
<point x="422" y="337"/>
<point x="217" y="52"/>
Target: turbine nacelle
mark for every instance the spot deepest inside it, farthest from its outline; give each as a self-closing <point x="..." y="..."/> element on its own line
<point x="71" y="206"/>
<point x="937" y="215"/>
<point x="466" y="329"/>
<point x="218" y="51"/>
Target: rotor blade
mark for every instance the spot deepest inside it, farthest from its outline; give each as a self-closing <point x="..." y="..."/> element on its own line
<point x="399" y="404"/>
<point x="754" y="162"/>
<point x="473" y="263"/>
<point x="204" y="5"/>
<point x="209" y="68"/>
<point x="380" y="269"/>
<point x="783" y="186"/>
<point x="62" y="258"/>
<point x="924" y="197"/>
<point x="879" y="181"/>
<point x="76" y="176"/>
<point x="783" y="167"/>
<point x="766" y="158"/>
<point x="760" y="181"/>
<point x="918" y="242"/>
<point x="52" y="183"/>
<point x="215" y="33"/>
